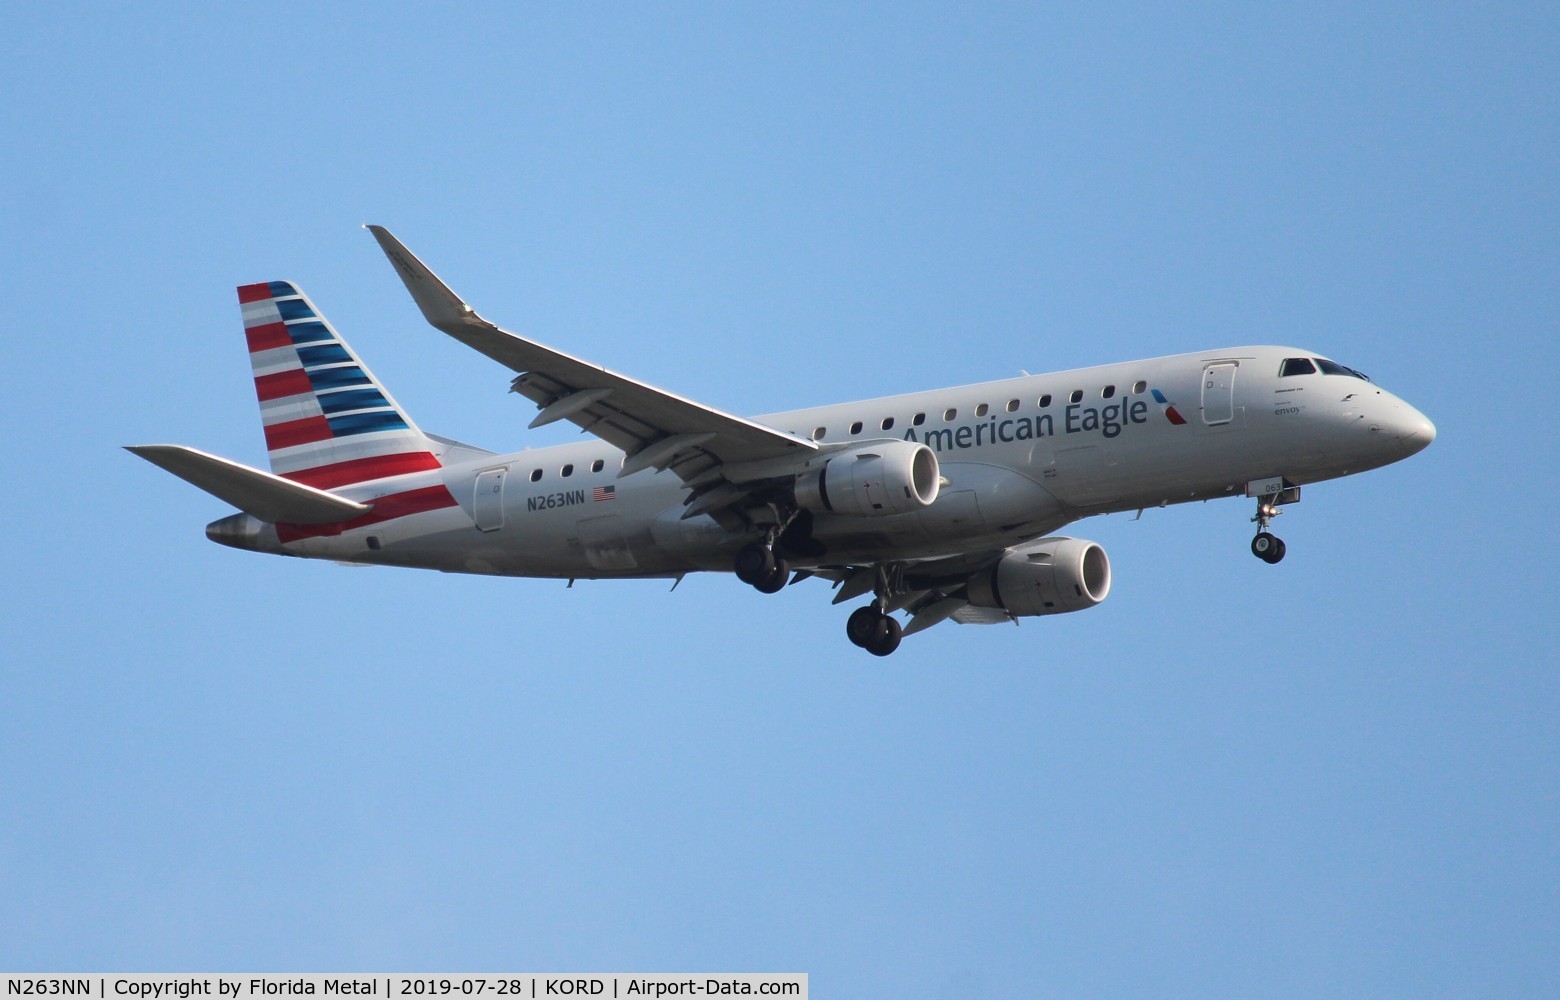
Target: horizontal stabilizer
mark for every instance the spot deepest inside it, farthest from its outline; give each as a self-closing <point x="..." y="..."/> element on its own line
<point x="269" y="498"/>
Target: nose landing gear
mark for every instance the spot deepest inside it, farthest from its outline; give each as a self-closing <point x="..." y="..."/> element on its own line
<point x="1267" y="547"/>
<point x="1271" y="494"/>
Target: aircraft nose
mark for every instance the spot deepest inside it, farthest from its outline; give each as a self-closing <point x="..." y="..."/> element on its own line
<point x="1414" y="429"/>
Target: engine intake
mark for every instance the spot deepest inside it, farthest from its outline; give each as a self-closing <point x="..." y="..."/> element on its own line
<point x="1048" y="577"/>
<point x="873" y="479"/>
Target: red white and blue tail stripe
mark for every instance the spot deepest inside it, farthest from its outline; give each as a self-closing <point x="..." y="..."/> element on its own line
<point x="328" y="422"/>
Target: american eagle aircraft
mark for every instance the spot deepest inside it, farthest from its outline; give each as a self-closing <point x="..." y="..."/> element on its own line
<point x="934" y="505"/>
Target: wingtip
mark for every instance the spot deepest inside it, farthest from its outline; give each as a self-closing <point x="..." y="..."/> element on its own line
<point x="439" y="304"/>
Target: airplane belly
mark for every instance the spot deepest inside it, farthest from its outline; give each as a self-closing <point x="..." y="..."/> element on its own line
<point x="698" y="542"/>
<point x="604" y="544"/>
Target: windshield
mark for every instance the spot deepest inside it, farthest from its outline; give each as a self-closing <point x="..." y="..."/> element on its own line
<point x="1334" y="368"/>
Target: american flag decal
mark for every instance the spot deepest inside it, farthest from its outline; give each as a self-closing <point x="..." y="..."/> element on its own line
<point x="601" y="493"/>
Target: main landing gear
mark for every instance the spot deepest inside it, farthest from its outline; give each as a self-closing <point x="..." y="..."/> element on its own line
<point x="872" y="630"/>
<point x="1267" y="547"/>
<point x="759" y="567"/>
<point x="872" y="627"/>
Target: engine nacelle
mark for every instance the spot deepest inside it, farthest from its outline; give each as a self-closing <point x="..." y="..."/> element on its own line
<point x="873" y="479"/>
<point x="1048" y="577"/>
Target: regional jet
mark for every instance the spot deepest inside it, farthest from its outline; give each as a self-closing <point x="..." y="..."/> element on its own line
<point x="933" y="505"/>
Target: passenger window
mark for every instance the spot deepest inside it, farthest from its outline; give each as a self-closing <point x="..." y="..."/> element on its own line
<point x="919" y="419"/>
<point x="568" y="470"/>
<point x="596" y="465"/>
<point x="949" y="414"/>
<point x="980" y="411"/>
<point x="819" y="432"/>
<point x="1076" y="397"/>
<point x="1138" y="387"/>
<point x="536" y="475"/>
<point x="1297" y="366"/>
<point x="1044" y="401"/>
<point x="855" y="428"/>
<point x="888" y="423"/>
<point x="1107" y="392"/>
<point x="1012" y="406"/>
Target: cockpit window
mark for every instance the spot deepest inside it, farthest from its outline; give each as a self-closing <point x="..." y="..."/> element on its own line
<point x="1334" y="368"/>
<point x="1297" y="366"/>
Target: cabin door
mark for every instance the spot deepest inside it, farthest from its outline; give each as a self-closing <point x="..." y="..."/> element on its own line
<point x="1218" y="393"/>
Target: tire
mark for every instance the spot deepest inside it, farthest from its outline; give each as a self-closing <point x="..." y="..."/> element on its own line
<point x="1262" y="546"/>
<point x="887" y="640"/>
<point x="1279" y="548"/>
<point x="861" y="628"/>
<point x="777" y="579"/>
<point x="754" y="564"/>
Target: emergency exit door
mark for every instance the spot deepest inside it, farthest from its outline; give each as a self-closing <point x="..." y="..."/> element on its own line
<point x="488" y="503"/>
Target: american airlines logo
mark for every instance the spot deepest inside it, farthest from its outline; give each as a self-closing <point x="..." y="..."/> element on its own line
<point x="1077" y="418"/>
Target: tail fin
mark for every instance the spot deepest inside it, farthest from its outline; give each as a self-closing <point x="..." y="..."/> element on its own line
<point x="328" y="421"/>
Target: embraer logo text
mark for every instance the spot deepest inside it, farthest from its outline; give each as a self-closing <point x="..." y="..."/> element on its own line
<point x="1110" y="420"/>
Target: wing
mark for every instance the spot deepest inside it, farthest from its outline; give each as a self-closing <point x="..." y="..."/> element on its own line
<point x="704" y="446"/>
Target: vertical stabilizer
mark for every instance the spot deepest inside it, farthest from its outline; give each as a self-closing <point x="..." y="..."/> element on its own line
<point x="328" y="422"/>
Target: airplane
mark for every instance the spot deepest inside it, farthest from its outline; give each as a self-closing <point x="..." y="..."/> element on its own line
<point x="940" y="505"/>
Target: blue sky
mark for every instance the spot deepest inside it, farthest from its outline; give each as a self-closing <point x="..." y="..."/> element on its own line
<point x="1337" y="776"/>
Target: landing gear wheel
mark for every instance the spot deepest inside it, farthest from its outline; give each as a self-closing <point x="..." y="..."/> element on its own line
<point x="780" y="576"/>
<point x="873" y="631"/>
<point x="887" y="639"/>
<point x="754" y="565"/>
<point x="862" y="627"/>
<point x="1268" y="548"/>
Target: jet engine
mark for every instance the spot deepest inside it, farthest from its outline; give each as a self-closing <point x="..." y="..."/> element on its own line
<point x="1048" y="577"/>
<point x="872" y="479"/>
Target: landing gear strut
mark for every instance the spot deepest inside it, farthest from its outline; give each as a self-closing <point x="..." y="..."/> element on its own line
<point x="1267" y="547"/>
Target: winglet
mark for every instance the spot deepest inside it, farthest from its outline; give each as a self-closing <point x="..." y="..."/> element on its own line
<point x="441" y="307"/>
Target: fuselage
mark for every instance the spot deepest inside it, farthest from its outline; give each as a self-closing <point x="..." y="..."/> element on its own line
<point x="1019" y="458"/>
